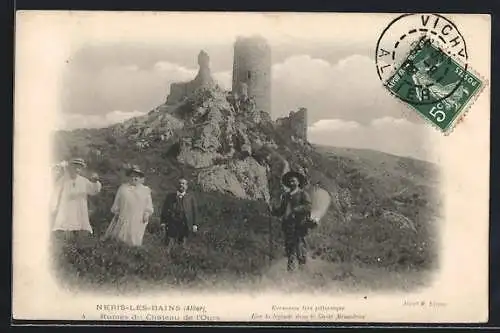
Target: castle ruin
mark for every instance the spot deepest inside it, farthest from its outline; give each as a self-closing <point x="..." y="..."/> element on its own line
<point x="251" y="81"/>
<point x="252" y="71"/>
<point x="180" y="90"/>
<point x="296" y="123"/>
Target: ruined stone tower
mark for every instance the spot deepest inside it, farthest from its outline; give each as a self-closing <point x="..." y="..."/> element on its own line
<point x="252" y="71"/>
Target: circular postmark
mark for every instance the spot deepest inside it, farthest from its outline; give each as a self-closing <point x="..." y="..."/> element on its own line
<point x="403" y="36"/>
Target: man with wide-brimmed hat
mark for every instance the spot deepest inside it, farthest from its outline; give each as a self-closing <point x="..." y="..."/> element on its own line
<point x="69" y="202"/>
<point x="294" y="209"/>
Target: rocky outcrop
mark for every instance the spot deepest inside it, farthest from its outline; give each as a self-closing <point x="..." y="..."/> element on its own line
<point x="225" y="137"/>
<point x="277" y="167"/>
<point x="195" y="157"/>
<point x="210" y="127"/>
<point x="217" y="130"/>
<point x="158" y="125"/>
<point x="220" y="179"/>
<point x="245" y="179"/>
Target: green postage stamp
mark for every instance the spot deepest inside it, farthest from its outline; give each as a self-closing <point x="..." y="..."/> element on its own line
<point x="435" y="85"/>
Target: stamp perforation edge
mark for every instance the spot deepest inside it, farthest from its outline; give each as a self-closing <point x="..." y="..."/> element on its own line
<point x="467" y="106"/>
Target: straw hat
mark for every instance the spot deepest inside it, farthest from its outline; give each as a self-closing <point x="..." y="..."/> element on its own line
<point x="78" y="161"/>
<point x="134" y="169"/>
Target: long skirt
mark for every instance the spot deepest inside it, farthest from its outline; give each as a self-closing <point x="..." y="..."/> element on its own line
<point x="127" y="231"/>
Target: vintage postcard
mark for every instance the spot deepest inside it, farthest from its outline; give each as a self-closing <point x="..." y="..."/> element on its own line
<point x="251" y="167"/>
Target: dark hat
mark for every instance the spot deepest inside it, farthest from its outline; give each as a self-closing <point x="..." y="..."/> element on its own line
<point x="134" y="169"/>
<point x="286" y="177"/>
<point x="78" y="161"/>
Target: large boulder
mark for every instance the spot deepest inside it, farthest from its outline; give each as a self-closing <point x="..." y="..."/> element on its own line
<point x="219" y="178"/>
<point x="244" y="179"/>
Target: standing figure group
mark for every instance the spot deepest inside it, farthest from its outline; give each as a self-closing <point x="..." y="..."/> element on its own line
<point x="133" y="207"/>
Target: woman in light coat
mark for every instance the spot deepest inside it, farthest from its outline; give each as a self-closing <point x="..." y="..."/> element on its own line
<point x="132" y="207"/>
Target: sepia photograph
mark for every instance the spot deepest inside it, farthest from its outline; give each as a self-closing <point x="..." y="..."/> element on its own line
<point x="251" y="167"/>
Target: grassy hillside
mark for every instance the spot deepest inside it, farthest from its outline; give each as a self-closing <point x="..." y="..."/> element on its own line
<point x="233" y="242"/>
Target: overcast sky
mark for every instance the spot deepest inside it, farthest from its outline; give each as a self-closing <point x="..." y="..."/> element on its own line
<point x="337" y="83"/>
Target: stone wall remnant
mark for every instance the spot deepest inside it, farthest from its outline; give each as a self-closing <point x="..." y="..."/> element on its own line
<point x="181" y="90"/>
<point x="296" y="123"/>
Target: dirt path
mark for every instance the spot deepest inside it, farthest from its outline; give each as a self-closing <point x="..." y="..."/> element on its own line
<point x="320" y="276"/>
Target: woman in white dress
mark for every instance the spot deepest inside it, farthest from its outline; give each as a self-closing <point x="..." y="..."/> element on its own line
<point x="132" y="207"/>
